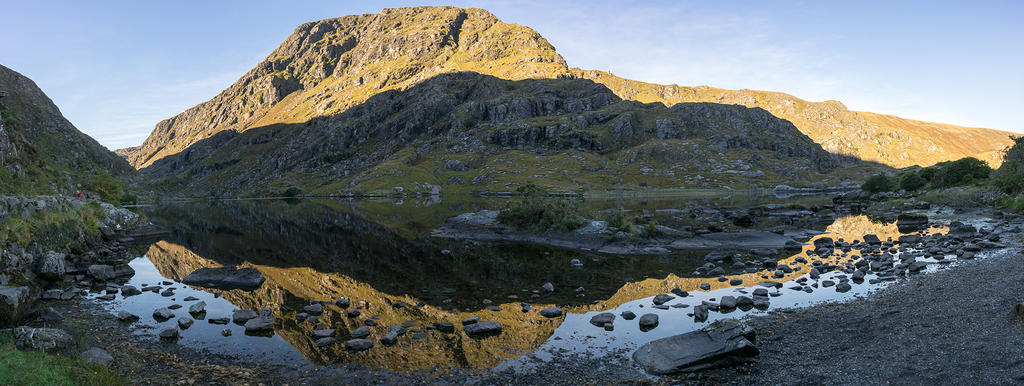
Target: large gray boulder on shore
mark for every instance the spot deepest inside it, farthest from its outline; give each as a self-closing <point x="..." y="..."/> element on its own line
<point x="722" y="343"/>
<point x="43" y="339"/>
<point x="13" y="303"/>
<point x="227" y="278"/>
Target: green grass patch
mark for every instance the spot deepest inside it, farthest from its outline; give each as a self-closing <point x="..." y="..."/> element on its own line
<point x="538" y="211"/>
<point x="39" y="368"/>
<point x="53" y="228"/>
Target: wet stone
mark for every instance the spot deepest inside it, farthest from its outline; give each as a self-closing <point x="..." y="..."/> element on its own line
<point x="601" y="319"/>
<point x="648" y="322"/>
<point x="482" y="328"/>
<point x="628" y="315"/>
<point x="470" y="320"/>
<point x="552" y="312"/>
<point x="445" y="327"/>
<point x="662" y="299"/>
<point x="358" y="344"/>
<point x="242" y="316"/>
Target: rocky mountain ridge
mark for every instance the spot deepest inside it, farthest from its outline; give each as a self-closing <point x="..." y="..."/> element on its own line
<point x="443" y="96"/>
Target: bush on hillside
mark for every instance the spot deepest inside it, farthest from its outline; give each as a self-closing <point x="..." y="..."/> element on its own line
<point x="878" y="183"/>
<point x="1010" y="176"/>
<point x="963" y="171"/>
<point x="912" y="181"/>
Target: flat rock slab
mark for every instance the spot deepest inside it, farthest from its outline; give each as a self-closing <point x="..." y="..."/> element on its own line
<point x="227" y="278"/>
<point x="723" y="343"/>
<point x="483" y="328"/>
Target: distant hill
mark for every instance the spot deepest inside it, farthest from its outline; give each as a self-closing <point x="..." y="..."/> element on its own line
<point x="40" y="151"/>
<point x="888" y="139"/>
<point x="441" y="97"/>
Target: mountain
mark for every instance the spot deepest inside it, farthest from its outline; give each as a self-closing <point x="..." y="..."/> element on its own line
<point x="887" y="139"/>
<point x="40" y="151"/>
<point x="431" y="98"/>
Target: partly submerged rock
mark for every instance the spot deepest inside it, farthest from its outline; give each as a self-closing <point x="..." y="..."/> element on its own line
<point x="482" y="328"/>
<point x="226" y="278"/>
<point x="723" y="343"/>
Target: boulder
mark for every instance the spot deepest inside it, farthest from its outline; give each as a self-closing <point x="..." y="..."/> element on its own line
<point x="360" y="333"/>
<point x="162" y="314"/>
<point x="126" y="316"/>
<point x="43" y="339"/>
<point x="552" y="312"/>
<point x="260" y="324"/>
<point x="358" y="344"/>
<point x="628" y="315"/>
<point x="723" y="343"/>
<point x="185" y="322"/>
<point x="13" y="303"/>
<point x="169" y="333"/>
<point x="482" y="328"/>
<point x="603" y="318"/>
<point x="226" y="278"/>
<point x="324" y="342"/>
<point x="101" y="272"/>
<point x="648" y="322"/>
<point x="242" y="316"/>
<point x="197" y="308"/>
<point x="52" y="266"/>
<point x="662" y="299"/>
<point x="96" y="355"/>
<point x="130" y="290"/>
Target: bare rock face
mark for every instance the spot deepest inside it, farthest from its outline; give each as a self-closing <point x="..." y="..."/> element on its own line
<point x="722" y="343"/>
<point x="13" y="303"/>
<point x="355" y="57"/>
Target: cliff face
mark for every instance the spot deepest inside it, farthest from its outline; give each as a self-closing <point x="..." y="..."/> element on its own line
<point x="40" y="151"/>
<point x="328" y="66"/>
<point x="454" y="98"/>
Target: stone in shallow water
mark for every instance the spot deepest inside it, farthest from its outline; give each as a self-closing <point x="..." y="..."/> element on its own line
<point x="126" y="316"/>
<point x="648" y="322"/>
<point x="162" y="313"/>
<point x="603" y="318"/>
<point x="470" y="320"/>
<point x="482" y="328"/>
<point x="358" y="344"/>
<point x="324" y="342"/>
<point x="358" y="333"/>
<point x="445" y="327"/>
<point x="628" y="315"/>
<point x="260" y="324"/>
<point x="242" y="316"/>
<point x="169" y="333"/>
<point x="185" y="322"/>
<point x="223" y="320"/>
<point x="197" y="308"/>
<point x="227" y="278"/>
<point x="720" y="344"/>
<point x="662" y="299"/>
<point x="552" y="312"/>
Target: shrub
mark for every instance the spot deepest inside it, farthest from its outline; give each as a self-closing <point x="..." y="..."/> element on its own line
<point x="291" y="192"/>
<point x="878" y="183"/>
<point x="129" y="199"/>
<point x="620" y="219"/>
<point x="537" y="211"/>
<point x="963" y="171"/>
<point x="1010" y="176"/>
<point x="1012" y="204"/>
<point x="912" y="181"/>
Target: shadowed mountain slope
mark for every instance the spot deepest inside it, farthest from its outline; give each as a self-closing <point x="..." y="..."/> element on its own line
<point x="40" y="151"/>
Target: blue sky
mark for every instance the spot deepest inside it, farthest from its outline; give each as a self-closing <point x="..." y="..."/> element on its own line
<point x="117" y="68"/>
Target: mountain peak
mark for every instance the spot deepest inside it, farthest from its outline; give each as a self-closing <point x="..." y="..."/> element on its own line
<point x="328" y="66"/>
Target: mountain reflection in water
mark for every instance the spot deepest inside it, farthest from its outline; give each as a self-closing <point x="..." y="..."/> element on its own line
<point x="322" y="250"/>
